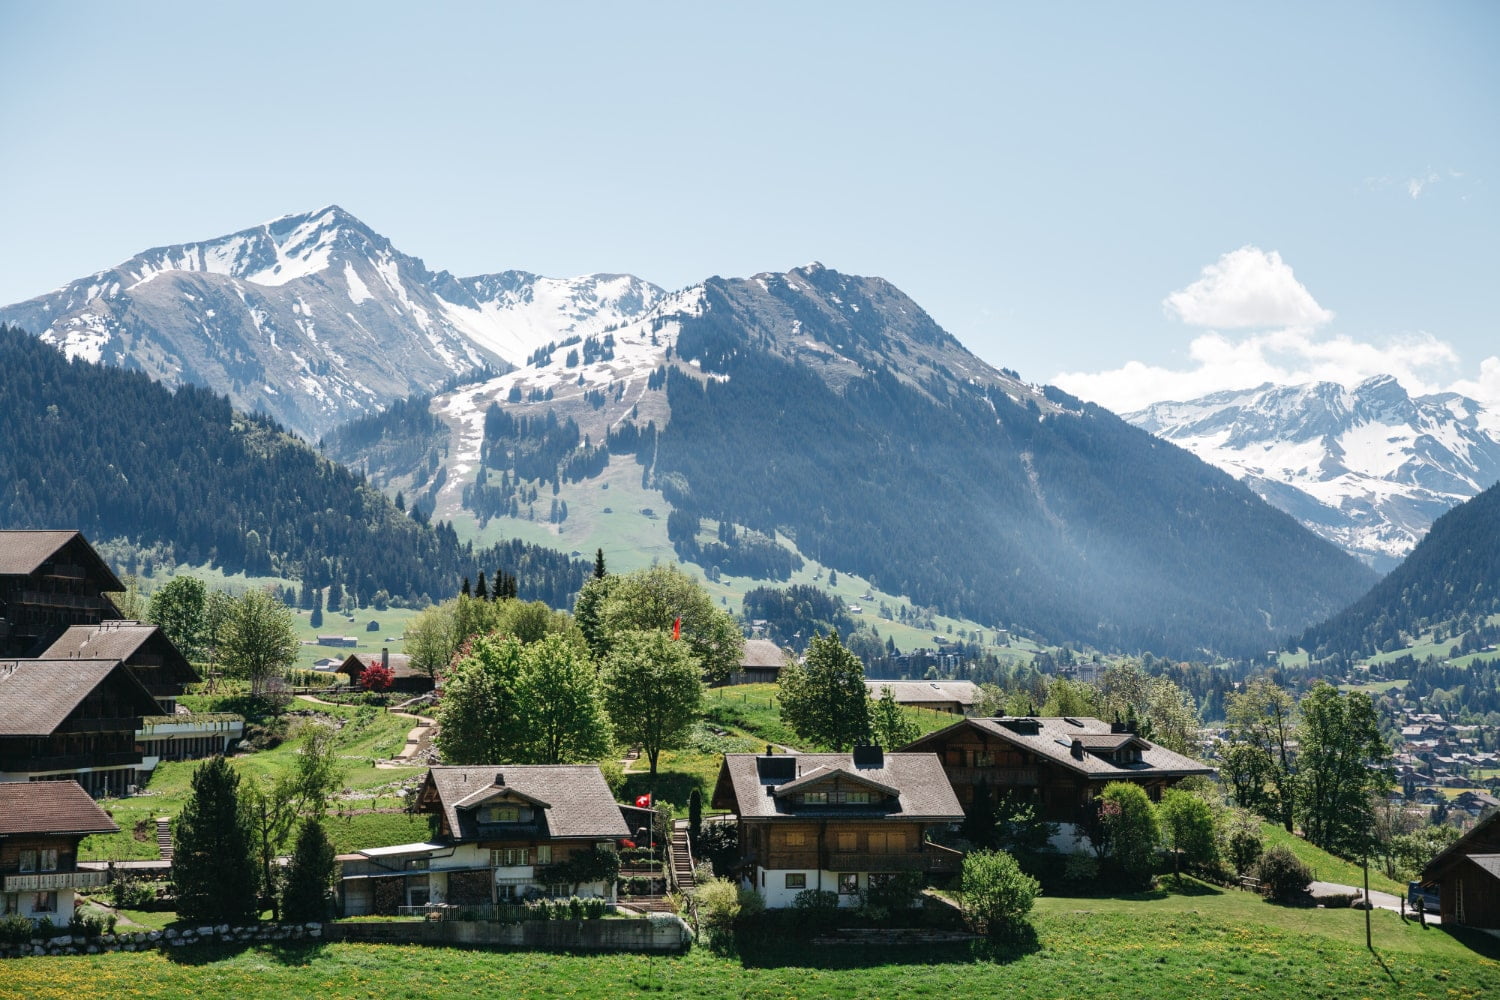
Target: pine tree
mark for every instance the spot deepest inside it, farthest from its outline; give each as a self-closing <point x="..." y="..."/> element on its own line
<point x="482" y="591"/>
<point x="309" y="878"/>
<point x="599" y="564"/>
<point x="466" y="591"/>
<point x="213" y="861"/>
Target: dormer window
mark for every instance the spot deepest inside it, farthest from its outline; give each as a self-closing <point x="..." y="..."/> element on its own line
<point x="838" y="798"/>
<point x="505" y="813"/>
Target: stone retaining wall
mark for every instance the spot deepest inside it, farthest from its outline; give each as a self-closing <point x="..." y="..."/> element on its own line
<point x="173" y="938"/>
<point x="659" y="932"/>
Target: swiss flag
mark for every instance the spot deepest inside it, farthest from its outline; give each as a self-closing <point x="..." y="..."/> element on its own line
<point x="643" y="801"/>
<point x="677" y="628"/>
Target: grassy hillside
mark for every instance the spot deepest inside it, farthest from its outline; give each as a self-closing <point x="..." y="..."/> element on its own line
<point x="1161" y="946"/>
<point x="1327" y="868"/>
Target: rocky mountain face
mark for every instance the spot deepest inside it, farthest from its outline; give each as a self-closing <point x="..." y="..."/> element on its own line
<point x="316" y="319"/>
<point x="825" y="416"/>
<point x="1369" y="468"/>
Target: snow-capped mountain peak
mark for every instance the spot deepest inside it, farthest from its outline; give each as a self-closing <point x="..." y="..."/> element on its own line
<point x="315" y="318"/>
<point x="1369" y="467"/>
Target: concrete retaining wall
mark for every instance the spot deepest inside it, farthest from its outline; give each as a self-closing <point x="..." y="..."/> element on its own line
<point x="154" y="940"/>
<point x="658" y="932"/>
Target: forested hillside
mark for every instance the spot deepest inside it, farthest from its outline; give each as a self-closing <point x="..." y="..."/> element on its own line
<point x="1453" y="575"/>
<point x="116" y="455"/>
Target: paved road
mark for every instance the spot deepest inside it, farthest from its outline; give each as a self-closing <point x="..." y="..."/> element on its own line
<point x="1383" y="900"/>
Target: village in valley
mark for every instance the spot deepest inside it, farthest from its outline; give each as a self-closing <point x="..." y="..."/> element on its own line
<point x="639" y="777"/>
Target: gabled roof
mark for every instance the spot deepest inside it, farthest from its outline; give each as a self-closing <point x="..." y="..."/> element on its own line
<point x="36" y="696"/>
<point x="920" y="692"/>
<point x="761" y="654"/>
<point x="119" y="640"/>
<point x="573" y="800"/>
<point x="50" y="807"/>
<point x="400" y="664"/>
<point x="1053" y="740"/>
<point x="1481" y="841"/>
<point x="819" y="775"/>
<point x="916" y="780"/>
<point x="23" y="552"/>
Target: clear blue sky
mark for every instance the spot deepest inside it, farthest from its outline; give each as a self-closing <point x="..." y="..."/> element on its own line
<point x="1040" y="178"/>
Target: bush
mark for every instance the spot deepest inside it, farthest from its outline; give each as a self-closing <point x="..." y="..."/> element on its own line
<point x="1187" y="825"/>
<point x="86" y="925"/>
<point x="131" y="894"/>
<point x="901" y="891"/>
<point x="1081" y="867"/>
<point x="1129" y="822"/>
<point x="717" y="905"/>
<point x="1245" y="847"/>
<point x="995" y="894"/>
<point x="1339" y="900"/>
<point x="1282" y="874"/>
<point x="15" y="929"/>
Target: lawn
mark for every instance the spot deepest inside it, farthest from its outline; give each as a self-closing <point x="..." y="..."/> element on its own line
<point x="1327" y="868"/>
<point x="366" y="734"/>
<point x="1163" y="946"/>
<point x="753" y="709"/>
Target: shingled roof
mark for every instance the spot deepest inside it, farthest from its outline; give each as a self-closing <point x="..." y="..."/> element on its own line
<point x="37" y="695"/>
<point x="117" y="640"/>
<point x="922" y="791"/>
<point x="23" y="553"/>
<point x="573" y="800"/>
<point x="923" y="692"/>
<point x="55" y="807"/>
<point x="1053" y="739"/>
<point x="761" y="654"/>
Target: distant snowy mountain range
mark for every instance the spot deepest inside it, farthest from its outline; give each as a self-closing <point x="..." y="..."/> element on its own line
<point x="316" y="319"/>
<point x="1368" y="468"/>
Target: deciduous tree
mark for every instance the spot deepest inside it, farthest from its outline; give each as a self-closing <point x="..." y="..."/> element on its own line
<point x="658" y="598"/>
<point x="1341" y="760"/>
<point x="889" y="724"/>
<point x="824" y="698"/>
<point x="178" y="609"/>
<point x="260" y="639"/>
<point x="479" y="719"/>
<point x="1259" y="758"/>
<point x="653" y="689"/>
<point x="561" y="702"/>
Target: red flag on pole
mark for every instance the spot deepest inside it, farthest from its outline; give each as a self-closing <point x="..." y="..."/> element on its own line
<point x="677" y="628"/>
<point x="643" y="801"/>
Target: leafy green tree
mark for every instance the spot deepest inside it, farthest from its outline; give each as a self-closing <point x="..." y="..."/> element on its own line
<point x="308" y="886"/>
<point x="1187" y="828"/>
<point x="889" y="724"/>
<point x="431" y="639"/>
<point x="213" y="864"/>
<point x="1130" y="823"/>
<point x="260" y="639"/>
<point x="1341" y="760"/>
<point x="1259" y="759"/>
<point x="1167" y="713"/>
<point x="1067" y="697"/>
<point x="561" y="702"/>
<point x="823" y="699"/>
<point x="653" y="689"/>
<point x="178" y="609"/>
<point x="216" y="609"/>
<point x="480" y="716"/>
<point x="995" y="894"/>
<point x="530" y="621"/>
<point x="273" y="807"/>
<point x="655" y="599"/>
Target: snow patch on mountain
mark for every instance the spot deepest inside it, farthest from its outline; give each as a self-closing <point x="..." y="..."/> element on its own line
<point x="1367" y="467"/>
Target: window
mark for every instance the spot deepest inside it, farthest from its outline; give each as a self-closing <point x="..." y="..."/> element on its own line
<point x="796" y="880"/>
<point x="877" y="880"/>
<point x="877" y="840"/>
<point x="416" y="864"/>
<point x="47" y="859"/>
<point x="984" y="758"/>
<point x="44" y="902"/>
<point x="814" y="798"/>
<point x="795" y="838"/>
<point x="502" y="814"/>
<point x="28" y="861"/>
<point x="510" y="857"/>
<point x="852" y="798"/>
<point x="10" y="903"/>
<point x="848" y="884"/>
<point x="544" y="854"/>
<point x="848" y="841"/>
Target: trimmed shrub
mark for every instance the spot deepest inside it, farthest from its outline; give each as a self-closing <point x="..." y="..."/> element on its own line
<point x="15" y="929"/>
<point x="995" y="894"/>
<point x="1245" y="848"/>
<point x="1283" y="875"/>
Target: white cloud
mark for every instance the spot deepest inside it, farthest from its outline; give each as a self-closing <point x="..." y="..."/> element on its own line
<point x="1247" y="289"/>
<point x="1415" y="185"/>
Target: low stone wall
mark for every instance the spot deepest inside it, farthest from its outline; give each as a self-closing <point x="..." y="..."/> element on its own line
<point x="659" y="932"/>
<point x="173" y="938"/>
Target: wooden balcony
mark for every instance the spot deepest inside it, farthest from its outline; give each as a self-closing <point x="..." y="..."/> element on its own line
<point x="932" y="859"/>
<point x="56" y="880"/>
<point x="995" y="777"/>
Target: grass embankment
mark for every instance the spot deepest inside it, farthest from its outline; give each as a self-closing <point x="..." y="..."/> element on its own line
<point x="365" y="735"/>
<point x="1163" y="946"/>
<point x="755" y="710"/>
<point x="1327" y="868"/>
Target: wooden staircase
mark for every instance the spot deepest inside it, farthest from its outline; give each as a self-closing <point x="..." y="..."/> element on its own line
<point x="164" y="838"/>
<point x="682" y="859"/>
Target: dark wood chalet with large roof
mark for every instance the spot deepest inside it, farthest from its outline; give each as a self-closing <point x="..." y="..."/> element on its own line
<point x="1060" y="764"/>
<point x="142" y="647"/>
<point x="50" y="580"/>
<point x="838" y="822"/>
<point x="72" y="720"/>
<point x="1467" y="877"/>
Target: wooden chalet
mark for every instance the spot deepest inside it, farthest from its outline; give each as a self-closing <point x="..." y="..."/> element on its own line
<point x="41" y="824"/>
<point x="1467" y="877"/>
<point x="142" y="647"/>
<point x="1060" y="764"/>
<point x="72" y="720"/>
<point x="760" y="663"/>
<point x="50" y="580"/>
<point x="498" y="828"/>
<point x="837" y="822"/>
<point x="404" y="677"/>
<point x="953" y="697"/>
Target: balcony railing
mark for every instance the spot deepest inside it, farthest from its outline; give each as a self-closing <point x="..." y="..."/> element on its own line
<point x="56" y="880"/>
<point x="934" y="859"/>
<point x="72" y="761"/>
<point x="100" y="724"/>
<point x="997" y="776"/>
